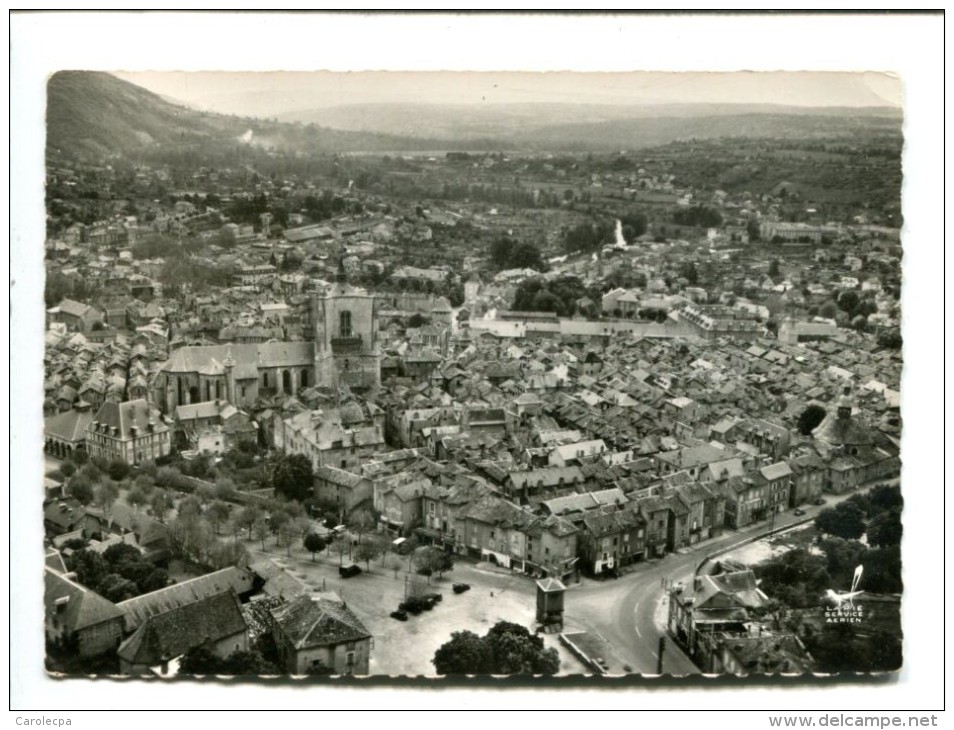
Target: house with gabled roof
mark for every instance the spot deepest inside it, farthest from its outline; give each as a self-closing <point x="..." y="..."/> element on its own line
<point x="131" y="432"/>
<point x="77" y="617"/>
<point x="138" y="610"/>
<point x="215" y="623"/>
<point x="65" y="433"/>
<point x="610" y="538"/>
<point x="316" y="634"/>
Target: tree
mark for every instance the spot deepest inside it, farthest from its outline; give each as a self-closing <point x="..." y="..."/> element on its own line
<point x="754" y="230"/>
<point x="115" y="588"/>
<point x="368" y="551"/>
<point x="465" y="653"/>
<point x="217" y="514"/>
<point x="80" y="488"/>
<point x="891" y="339"/>
<point x="118" y="470"/>
<point x="278" y="521"/>
<point x="247" y="518"/>
<point x="848" y="301"/>
<point x="90" y="567"/>
<point x="122" y="553"/>
<point x="292" y="477"/>
<point x="314" y="543"/>
<point x="247" y="664"/>
<point x="517" y="651"/>
<point x="689" y="272"/>
<point x="260" y="528"/>
<point x="418" y="320"/>
<point x="168" y="476"/>
<point x="340" y="545"/>
<point x="204" y="493"/>
<point x="773" y="270"/>
<point x="190" y="507"/>
<point x="190" y="537"/>
<point x="828" y="310"/>
<point x="106" y="495"/>
<point x="843" y="520"/>
<point x="200" y="660"/>
<point x="797" y="578"/>
<point x="885" y="530"/>
<point x="810" y="418"/>
<point x="508" y="648"/>
<point x="161" y="504"/>
<point x="145" y="483"/>
<point x="226" y="554"/>
<point x="430" y="559"/>
<point x="634" y="225"/>
<point x="67" y="469"/>
<point x="224" y="488"/>
<point x="885" y="497"/>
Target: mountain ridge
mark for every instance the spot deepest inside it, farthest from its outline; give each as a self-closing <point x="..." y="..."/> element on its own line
<point x="92" y="113"/>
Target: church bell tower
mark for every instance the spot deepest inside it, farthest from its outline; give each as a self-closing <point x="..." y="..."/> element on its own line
<point x="346" y="337"/>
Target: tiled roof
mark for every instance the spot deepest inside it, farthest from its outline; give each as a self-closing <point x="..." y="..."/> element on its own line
<point x="311" y="621"/>
<point x="69" y="425"/>
<point x="120" y="418"/>
<point x="141" y="608"/>
<point x="84" y="608"/>
<point x="171" y="634"/>
<point x="266" y="355"/>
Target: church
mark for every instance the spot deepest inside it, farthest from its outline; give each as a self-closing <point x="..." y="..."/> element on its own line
<point x="856" y="453"/>
<point x="344" y="352"/>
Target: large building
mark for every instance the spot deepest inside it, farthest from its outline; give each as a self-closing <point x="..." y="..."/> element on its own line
<point x="131" y="432"/>
<point x="344" y="352"/>
<point x="346" y="334"/>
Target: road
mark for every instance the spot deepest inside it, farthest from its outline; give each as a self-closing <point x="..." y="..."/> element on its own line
<point x="631" y="612"/>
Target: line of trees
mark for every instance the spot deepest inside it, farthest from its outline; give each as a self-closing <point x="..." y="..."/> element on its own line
<point x="507" y="253"/>
<point x="507" y="648"/>
<point x="119" y="573"/>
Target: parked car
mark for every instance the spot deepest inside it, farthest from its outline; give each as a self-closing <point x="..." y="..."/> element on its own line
<point x="819" y="501"/>
<point x="799" y="512"/>
<point x="415" y="605"/>
<point x="461" y="587"/>
<point x="399" y="615"/>
<point x="349" y="571"/>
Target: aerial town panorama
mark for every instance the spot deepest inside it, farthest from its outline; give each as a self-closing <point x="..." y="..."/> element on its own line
<point x="427" y="390"/>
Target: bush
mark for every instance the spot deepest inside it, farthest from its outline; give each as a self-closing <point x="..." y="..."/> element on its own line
<point x="118" y="470"/>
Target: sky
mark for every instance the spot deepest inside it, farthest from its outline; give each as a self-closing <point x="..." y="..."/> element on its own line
<point x="271" y="93"/>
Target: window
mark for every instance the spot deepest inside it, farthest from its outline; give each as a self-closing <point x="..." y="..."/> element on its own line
<point x="345" y="324"/>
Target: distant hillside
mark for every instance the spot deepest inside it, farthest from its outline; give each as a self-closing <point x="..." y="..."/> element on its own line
<point x="583" y="126"/>
<point x="93" y="114"/>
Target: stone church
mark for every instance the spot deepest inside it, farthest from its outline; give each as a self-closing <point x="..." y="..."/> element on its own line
<point x="344" y="352"/>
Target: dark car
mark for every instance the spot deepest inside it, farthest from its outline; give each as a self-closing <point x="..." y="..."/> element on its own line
<point x="461" y="587"/>
<point x="799" y="512"/>
<point x="414" y="605"/>
<point x="349" y="571"/>
<point x="819" y="501"/>
<point x="399" y="615"/>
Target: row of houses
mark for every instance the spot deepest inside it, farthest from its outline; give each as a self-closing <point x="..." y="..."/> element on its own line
<point x="223" y="612"/>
